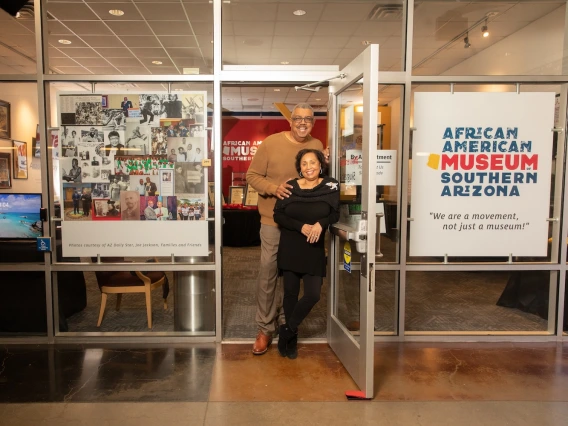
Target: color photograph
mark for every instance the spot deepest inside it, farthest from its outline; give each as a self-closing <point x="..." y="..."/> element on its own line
<point x="19" y="216"/>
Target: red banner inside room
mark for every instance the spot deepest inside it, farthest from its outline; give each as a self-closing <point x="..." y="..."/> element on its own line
<point x="241" y="137"/>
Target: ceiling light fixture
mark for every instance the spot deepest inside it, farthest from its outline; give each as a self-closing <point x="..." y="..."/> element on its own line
<point x="116" y="12"/>
<point x="365" y="42"/>
<point x="157" y="62"/>
<point x="284" y="62"/>
<point x="466" y="42"/>
<point x="299" y="12"/>
<point x="18" y="15"/>
<point x="277" y="90"/>
<point x="63" y="41"/>
<point x="485" y="30"/>
<point x="318" y="99"/>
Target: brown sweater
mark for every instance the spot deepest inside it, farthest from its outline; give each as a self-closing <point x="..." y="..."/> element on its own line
<point x="272" y="165"/>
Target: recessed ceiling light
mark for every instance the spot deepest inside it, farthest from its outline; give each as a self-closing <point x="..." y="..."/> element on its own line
<point x="277" y="90"/>
<point x="18" y="15"/>
<point x="284" y="62"/>
<point x="318" y="99"/>
<point x="116" y="12"/>
<point x="252" y="99"/>
<point x="365" y="42"/>
<point x="63" y="41"/>
<point x="299" y="12"/>
<point x="157" y="62"/>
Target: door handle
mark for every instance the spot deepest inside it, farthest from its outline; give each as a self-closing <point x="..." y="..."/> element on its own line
<point x="348" y="233"/>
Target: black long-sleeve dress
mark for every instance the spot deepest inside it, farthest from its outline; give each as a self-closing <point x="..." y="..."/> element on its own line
<point x="305" y="206"/>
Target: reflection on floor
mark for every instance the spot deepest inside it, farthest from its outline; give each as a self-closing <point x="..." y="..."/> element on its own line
<point x="415" y="383"/>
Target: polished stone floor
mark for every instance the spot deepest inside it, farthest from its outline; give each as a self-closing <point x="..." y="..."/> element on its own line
<point x="415" y="383"/>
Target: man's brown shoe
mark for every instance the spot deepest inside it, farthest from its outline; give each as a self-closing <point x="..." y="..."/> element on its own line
<point x="261" y="343"/>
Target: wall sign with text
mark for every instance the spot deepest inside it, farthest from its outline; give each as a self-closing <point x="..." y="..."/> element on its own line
<point x="481" y="173"/>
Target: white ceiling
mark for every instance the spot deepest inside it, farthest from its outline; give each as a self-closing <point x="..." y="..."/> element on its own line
<point x="179" y="32"/>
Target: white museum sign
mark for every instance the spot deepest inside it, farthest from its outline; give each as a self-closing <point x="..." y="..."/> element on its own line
<point x="385" y="167"/>
<point x="481" y="173"/>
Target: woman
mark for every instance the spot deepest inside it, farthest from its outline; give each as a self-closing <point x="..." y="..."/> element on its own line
<point x="303" y="218"/>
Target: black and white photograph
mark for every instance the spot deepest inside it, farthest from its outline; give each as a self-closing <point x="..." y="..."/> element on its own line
<point x="70" y="170"/>
<point x="92" y="135"/>
<point x="159" y="140"/>
<point x="89" y="112"/>
<point x="193" y="108"/>
<point x="137" y="139"/>
<point x="100" y="190"/>
<point x="114" y="143"/>
<point x="151" y="109"/>
<point x="166" y="182"/>
<point x="69" y="137"/>
<point x="189" y="178"/>
<point x="117" y="184"/>
<point x="186" y="150"/>
<point x="191" y="208"/>
<point x="114" y="119"/>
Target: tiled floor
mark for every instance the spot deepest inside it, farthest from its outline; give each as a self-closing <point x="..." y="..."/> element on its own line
<point x="416" y="383"/>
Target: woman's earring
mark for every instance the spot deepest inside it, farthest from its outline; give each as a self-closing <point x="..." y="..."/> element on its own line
<point x="301" y="175"/>
<point x="321" y="170"/>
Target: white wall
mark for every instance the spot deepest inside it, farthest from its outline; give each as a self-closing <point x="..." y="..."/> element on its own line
<point x="536" y="49"/>
<point x="24" y="120"/>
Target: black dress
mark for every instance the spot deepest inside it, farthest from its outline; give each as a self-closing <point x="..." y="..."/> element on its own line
<point x="305" y="206"/>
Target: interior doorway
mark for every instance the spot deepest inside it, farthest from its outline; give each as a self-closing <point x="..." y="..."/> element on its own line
<point x="250" y="114"/>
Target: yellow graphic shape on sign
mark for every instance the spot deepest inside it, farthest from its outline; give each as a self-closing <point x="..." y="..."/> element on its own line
<point x="347" y="252"/>
<point x="433" y="161"/>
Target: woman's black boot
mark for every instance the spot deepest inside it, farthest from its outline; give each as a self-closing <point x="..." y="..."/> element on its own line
<point x="292" y="348"/>
<point x="284" y="336"/>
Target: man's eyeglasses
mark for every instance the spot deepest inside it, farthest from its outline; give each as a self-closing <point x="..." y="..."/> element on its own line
<point x="306" y="119"/>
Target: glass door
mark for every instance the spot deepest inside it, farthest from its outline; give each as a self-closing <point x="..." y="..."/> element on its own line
<point x="352" y="253"/>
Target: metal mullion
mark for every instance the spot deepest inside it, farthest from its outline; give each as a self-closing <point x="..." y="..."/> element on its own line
<point x="97" y="338"/>
<point x="7" y="78"/>
<point x="561" y="295"/>
<point x="193" y="78"/>
<point x="23" y="267"/>
<point x="501" y="267"/>
<point x="160" y="267"/>
<point x="217" y="151"/>
<point x="491" y="79"/>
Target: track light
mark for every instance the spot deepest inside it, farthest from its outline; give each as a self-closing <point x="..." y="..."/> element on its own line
<point x="485" y="30"/>
<point x="466" y="42"/>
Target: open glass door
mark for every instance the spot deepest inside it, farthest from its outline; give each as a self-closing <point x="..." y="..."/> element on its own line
<point x="352" y="254"/>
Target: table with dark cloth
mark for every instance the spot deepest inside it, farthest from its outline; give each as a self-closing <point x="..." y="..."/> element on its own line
<point x="241" y="228"/>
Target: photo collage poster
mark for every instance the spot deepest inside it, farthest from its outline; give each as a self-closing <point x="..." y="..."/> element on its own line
<point x="133" y="156"/>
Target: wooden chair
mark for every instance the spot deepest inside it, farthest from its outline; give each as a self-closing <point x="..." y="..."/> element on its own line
<point x="119" y="282"/>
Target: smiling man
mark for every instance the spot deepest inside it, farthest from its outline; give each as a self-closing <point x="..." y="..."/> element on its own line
<point x="271" y="167"/>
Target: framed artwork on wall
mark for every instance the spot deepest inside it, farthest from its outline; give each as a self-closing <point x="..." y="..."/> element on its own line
<point x="20" y="159"/>
<point x="236" y="194"/>
<point x="5" y="131"/>
<point x="251" y="196"/>
<point x="5" y="170"/>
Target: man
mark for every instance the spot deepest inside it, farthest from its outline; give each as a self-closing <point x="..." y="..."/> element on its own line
<point x="86" y="201"/>
<point x="149" y="212"/>
<point x="185" y="212"/>
<point x="171" y="133"/>
<point x="180" y="181"/>
<point x="172" y="157"/>
<point x="161" y="212"/>
<point x="146" y="110"/>
<point x="92" y="136"/>
<point x="112" y="211"/>
<point x="190" y="154"/>
<point x="273" y="165"/>
<point x="141" y="187"/>
<point x="125" y="105"/>
<point x="198" y="156"/>
<point x="151" y="187"/>
<point x="132" y="210"/>
<point x="114" y="188"/>
<point x="124" y="184"/>
<point x="114" y="147"/>
<point x="76" y="198"/>
<point x="182" y="156"/>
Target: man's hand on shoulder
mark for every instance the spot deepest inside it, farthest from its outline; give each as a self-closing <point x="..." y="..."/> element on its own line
<point x="282" y="191"/>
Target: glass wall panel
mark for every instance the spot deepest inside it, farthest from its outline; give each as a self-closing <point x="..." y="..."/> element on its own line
<point x="314" y="32"/>
<point x="177" y="302"/>
<point x="468" y="301"/>
<point x="498" y="37"/>
<point x="477" y="184"/>
<point x="131" y="38"/>
<point x="17" y="42"/>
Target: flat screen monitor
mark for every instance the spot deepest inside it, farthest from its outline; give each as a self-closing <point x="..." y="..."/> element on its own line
<point x="19" y="216"/>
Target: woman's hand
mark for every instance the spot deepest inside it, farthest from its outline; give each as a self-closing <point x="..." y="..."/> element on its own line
<point x="306" y="230"/>
<point x="315" y="233"/>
